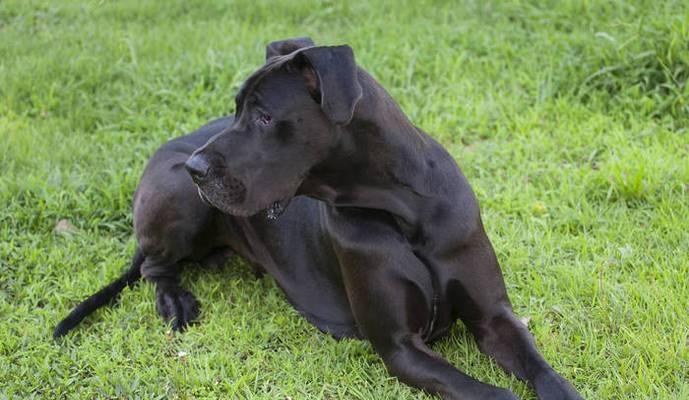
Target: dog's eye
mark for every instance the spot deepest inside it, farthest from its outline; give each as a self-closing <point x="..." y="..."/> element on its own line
<point x="264" y="119"/>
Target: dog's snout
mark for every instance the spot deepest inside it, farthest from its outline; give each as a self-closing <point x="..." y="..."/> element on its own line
<point x="197" y="166"/>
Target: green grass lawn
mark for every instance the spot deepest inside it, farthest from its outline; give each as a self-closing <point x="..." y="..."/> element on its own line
<point x="570" y="119"/>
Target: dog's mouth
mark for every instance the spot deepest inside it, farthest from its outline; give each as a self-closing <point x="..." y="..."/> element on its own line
<point x="271" y="212"/>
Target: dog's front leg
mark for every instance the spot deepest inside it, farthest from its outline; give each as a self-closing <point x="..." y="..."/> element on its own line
<point x="392" y="313"/>
<point x="173" y="303"/>
<point x="481" y="299"/>
<point x="390" y="294"/>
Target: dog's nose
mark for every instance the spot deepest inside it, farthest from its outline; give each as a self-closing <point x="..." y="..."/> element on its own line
<point x="197" y="166"/>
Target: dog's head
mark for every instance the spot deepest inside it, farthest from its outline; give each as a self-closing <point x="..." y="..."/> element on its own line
<point x="288" y="115"/>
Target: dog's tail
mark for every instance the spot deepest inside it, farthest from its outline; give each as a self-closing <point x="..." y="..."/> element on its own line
<point x="103" y="297"/>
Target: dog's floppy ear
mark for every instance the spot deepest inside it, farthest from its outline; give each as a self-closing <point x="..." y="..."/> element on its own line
<point x="282" y="47"/>
<point x="331" y="76"/>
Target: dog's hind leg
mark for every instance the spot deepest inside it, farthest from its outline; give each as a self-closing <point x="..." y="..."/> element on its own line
<point x="173" y="226"/>
<point x="173" y="303"/>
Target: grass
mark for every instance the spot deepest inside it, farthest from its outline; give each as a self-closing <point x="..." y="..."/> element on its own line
<point x="569" y="118"/>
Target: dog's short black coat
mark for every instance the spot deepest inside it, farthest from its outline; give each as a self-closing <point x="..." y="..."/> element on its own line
<point x="364" y="220"/>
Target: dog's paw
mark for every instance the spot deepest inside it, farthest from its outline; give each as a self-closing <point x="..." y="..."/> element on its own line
<point x="176" y="305"/>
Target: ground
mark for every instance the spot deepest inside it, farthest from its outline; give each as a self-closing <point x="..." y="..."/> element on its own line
<point x="569" y="118"/>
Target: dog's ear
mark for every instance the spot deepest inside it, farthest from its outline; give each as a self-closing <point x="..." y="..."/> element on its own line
<point x="282" y="47"/>
<point x="331" y="76"/>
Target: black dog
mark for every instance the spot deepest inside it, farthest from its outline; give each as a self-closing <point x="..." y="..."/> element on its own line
<point x="383" y="242"/>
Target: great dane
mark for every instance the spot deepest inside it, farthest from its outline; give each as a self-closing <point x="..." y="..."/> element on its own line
<point x="363" y="219"/>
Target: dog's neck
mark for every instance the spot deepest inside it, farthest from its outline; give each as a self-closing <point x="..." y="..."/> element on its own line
<point x="379" y="162"/>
